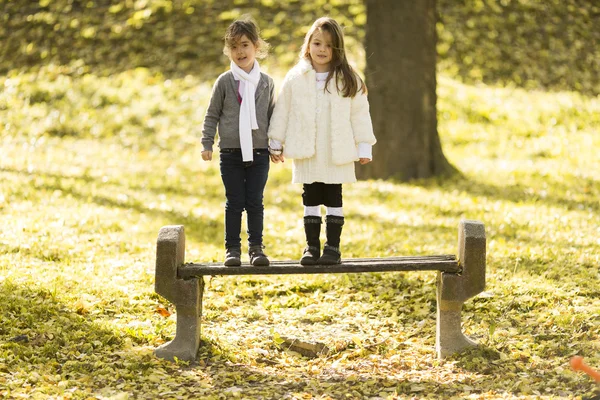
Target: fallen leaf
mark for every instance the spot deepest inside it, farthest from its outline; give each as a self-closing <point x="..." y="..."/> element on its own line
<point x="162" y="311"/>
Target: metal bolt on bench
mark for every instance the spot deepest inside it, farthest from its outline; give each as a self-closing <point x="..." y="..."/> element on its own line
<point x="458" y="280"/>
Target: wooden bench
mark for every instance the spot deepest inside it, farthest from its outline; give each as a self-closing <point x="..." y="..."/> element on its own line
<point x="459" y="278"/>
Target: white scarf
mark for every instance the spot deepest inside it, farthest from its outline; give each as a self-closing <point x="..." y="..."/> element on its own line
<point x="248" y="107"/>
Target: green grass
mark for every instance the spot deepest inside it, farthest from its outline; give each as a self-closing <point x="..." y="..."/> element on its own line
<point x="92" y="167"/>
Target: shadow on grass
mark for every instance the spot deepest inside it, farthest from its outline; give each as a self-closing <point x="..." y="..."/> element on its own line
<point x="543" y="193"/>
<point x="38" y="325"/>
<point x="272" y="378"/>
<point x="275" y="378"/>
<point x="203" y="230"/>
<point x="38" y="329"/>
<point x="487" y="361"/>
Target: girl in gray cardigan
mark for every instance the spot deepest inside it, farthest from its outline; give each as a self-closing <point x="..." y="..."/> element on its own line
<point x="240" y="108"/>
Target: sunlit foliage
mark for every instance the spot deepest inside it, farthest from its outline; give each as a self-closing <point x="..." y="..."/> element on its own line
<point x="92" y="167"/>
<point x="549" y="44"/>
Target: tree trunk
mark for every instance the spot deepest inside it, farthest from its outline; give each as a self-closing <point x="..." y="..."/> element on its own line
<point x="401" y="78"/>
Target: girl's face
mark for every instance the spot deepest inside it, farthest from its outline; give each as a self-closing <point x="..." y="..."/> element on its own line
<point x="243" y="53"/>
<point x="320" y="50"/>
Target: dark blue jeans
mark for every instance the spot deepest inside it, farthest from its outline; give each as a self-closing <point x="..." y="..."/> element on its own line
<point x="244" y="186"/>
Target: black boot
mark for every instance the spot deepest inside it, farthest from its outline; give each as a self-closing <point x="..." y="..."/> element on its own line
<point x="257" y="256"/>
<point x="232" y="257"/>
<point x="331" y="253"/>
<point x="312" y="229"/>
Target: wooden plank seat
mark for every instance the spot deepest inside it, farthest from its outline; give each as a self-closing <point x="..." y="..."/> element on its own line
<point x="445" y="263"/>
<point x="459" y="278"/>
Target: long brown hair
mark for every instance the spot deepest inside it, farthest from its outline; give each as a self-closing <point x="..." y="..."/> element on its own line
<point x="351" y="82"/>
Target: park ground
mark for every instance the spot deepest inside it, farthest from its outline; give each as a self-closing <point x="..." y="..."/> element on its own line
<point x="92" y="167"/>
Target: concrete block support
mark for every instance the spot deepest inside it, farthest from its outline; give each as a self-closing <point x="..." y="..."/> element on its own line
<point x="463" y="279"/>
<point x="186" y="295"/>
<point x="454" y="289"/>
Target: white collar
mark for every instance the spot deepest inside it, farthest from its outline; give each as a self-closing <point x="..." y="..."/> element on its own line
<point x="304" y="65"/>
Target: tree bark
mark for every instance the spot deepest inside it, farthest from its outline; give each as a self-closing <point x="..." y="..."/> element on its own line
<point x="401" y="78"/>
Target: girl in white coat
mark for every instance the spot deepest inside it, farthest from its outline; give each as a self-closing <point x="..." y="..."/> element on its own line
<point x="321" y="120"/>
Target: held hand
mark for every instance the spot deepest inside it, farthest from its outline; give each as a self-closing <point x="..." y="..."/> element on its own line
<point x="207" y="155"/>
<point x="278" y="158"/>
<point x="364" y="161"/>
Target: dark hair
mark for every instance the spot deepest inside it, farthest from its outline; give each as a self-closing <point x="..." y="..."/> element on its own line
<point x="351" y="82"/>
<point x="241" y="27"/>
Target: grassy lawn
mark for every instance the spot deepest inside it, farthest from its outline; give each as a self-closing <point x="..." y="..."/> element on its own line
<point x="91" y="168"/>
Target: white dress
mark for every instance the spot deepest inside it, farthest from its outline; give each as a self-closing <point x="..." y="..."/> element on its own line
<point x="320" y="168"/>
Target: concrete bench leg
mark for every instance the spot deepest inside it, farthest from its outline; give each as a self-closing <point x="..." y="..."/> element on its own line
<point x="454" y="289"/>
<point x="186" y="295"/>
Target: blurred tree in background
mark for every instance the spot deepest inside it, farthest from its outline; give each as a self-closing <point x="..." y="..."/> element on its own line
<point x="401" y="77"/>
<point x="537" y="44"/>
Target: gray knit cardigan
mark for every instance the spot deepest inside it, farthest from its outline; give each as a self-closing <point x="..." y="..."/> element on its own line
<point x="223" y="113"/>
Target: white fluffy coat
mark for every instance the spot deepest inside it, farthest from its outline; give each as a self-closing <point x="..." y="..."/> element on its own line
<point x="294" y="119"/>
